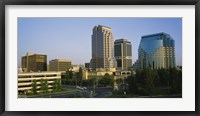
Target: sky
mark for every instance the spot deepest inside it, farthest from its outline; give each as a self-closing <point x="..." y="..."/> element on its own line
<point x="70" y="38"/>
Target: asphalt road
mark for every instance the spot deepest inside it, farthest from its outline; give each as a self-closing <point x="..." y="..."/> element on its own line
<point x="102" y="92"/>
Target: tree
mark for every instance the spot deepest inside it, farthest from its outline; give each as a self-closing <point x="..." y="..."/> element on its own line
<point x="85" y="83"/>
<point x="107" y="75"/>
<point x="91" y="81"/>
<point x="78" y="77"/>
<point x="34" y="87"/>
<point x="176" y="81"/>
<point x="149" y="82"/>
<point x="106" y="81"/>
<point x="164" y="77"/>
<point x="119" y="81"/>
<point x="156" y="81"/>
<point x="57" y="85"/>
<point x="43" y="85"/>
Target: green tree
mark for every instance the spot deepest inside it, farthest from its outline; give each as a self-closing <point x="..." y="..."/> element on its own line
<point x="42" y="85"/>
<point x="68" y="81"/>
<point x="68" y="78"/>
<point x="164" y="77"/>
<point x="156" y="81"/>
<point x="176" y="81"/>
<point x="69" y="74"/>
<point x="80" y="73"/>
<point x="119" y="81"/>
<point x="91" y="81"/>
<point x="149" y="81"/>
<point x="85" y="83"/>
<point x="132" y="84"/>
<point x="78" y="77"/>
<point x="107" y="80"/>
<point x="57" y="85"/>
<point x="34" y="87"/>
<point x="46" y="86"/>
<point x="107" y="75"/>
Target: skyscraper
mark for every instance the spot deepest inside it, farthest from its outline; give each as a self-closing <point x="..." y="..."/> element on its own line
<point x="34" y="62"/>
<point x="123" y="54"/>
<point x="157" y="51"/>
<point x="102" y="48"/>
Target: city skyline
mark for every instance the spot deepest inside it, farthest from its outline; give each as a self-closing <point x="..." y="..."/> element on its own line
<point x="70" y="38"/>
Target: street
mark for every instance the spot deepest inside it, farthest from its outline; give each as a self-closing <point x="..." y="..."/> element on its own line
<point x="100" y="92"/>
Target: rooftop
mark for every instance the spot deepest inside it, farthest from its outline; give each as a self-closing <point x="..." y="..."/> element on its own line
<point x="104" y="26"/>
<point x="31" y="54"/>
<point x="122" y="40"/>
<point x="61" y="60"/>
<point x="156" y="34"/>
<point x="38" y="73"/>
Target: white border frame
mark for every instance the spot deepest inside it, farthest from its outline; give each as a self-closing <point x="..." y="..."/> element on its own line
<point x="186" y="103"/>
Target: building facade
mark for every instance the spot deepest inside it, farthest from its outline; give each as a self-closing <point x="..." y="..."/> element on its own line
<point x="25" y="81"/>
<point x="157" y="51"/>
<point x="136" y="65"/>
<point x="34" y="62"/>
<point x="123" y="54"/>
<point x="59" y="65"/>
<point x="87" y="65"/>
<point x="102" y="48"/>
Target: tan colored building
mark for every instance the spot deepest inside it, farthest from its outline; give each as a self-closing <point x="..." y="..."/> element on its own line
<point x="25" y="80"/>
<point x="102" y="48"/>
<point x="59" y="65"/>
<point x="34" y="62"/>
<point x="75" y="68"/>
<point x="99" y="72"/>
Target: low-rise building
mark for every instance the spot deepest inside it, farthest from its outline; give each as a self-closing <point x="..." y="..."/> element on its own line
<point x="25" y="80"/>
<point x="32" y="62"/>
<point x="59" y="65"/>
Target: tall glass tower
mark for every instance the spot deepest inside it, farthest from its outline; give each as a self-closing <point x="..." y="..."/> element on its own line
<point x="157" y="51"/>
<point x="102" y="48"/>
<point x="123" y="54"/>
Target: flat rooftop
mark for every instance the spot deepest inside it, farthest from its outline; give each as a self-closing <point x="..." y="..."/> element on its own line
<point x="39" y="73"/>
<point x="155" y="34"/>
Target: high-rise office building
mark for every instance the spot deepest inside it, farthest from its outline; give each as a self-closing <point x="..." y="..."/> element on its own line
<point x="102" y="48"/>
<point x="157" y="51"/>
<point x="123" y="54"/>
<point x="59" y="65"/>
<point x="34" y="62"/>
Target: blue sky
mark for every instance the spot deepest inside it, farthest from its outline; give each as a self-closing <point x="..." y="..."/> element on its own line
<point x="70" y="38"/>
